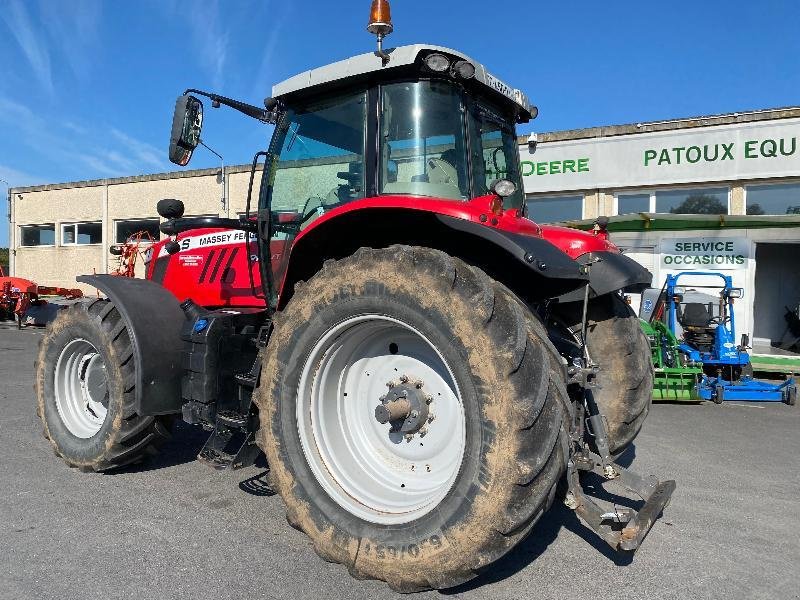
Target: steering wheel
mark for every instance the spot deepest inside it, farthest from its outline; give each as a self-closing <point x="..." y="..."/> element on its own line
<point x="442" y="171"/>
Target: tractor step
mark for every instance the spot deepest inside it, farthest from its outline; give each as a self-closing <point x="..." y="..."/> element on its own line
<point x="232" y="443"/>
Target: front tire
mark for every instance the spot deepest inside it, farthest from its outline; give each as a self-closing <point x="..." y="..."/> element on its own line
<point x="617" y="344"/>
<point x="415" y="511"/>
<point x="85" y="389"/>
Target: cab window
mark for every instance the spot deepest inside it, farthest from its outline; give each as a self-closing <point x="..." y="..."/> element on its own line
<point x="320" y="162"/>
<point x="423" y="149"/>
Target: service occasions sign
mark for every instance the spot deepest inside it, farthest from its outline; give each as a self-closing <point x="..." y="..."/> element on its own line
<point x="705" y="254"/>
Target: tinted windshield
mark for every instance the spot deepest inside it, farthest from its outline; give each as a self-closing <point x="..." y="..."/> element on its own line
<point x="321" y="156"/>
<point x="494" y="154"/>
<point x="423" y="147"/>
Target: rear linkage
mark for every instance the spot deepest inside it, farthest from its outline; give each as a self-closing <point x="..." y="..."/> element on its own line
<point x="622" y="528"/>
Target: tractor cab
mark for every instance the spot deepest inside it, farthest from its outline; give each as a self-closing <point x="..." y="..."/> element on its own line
<point x="416" y="129"/>
<point x="429" y="123"/>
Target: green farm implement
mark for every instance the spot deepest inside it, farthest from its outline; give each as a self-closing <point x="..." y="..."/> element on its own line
<point x="675" y="378"/>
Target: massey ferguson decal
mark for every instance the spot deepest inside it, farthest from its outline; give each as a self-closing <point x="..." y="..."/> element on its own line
<point x="221" y="238"/>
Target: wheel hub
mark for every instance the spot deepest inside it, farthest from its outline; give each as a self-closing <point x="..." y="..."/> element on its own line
<point x="406" y="407"/>
<point x="364" y="413"/>
<point x="81" y="388"/>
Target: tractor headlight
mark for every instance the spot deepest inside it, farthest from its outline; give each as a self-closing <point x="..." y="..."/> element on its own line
<point x="464" y="69"/>
<point x="438" y="63"/>
<point x="735" y="293"/>
<point x="504" y="188"/>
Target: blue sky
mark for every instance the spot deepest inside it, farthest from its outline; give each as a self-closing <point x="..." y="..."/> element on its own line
<point x="87" y="88"/>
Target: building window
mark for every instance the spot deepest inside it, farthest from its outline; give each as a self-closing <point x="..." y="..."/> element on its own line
<point x="37" y="235"/>
<point x="777" y="199"/>
<point x="551" y="209"/>
<point x="701" y="201"/>
<point x="125" y="229"/>
<point x="633" y="203"/>
<point x="80" y="234"/>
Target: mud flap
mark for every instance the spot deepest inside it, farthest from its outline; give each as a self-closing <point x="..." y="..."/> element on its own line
<point x="153" y="318"/>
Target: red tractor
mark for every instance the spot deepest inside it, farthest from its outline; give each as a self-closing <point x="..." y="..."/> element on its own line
<point x="425" y="368"/>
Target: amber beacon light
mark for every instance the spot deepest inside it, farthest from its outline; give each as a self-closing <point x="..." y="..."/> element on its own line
<point x="380" y="24"/>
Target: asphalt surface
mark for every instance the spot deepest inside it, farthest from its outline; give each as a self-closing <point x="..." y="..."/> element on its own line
<point x="176" y="529"/>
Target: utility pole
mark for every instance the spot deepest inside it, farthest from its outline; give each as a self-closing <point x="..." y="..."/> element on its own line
<point x="10" y="232"/>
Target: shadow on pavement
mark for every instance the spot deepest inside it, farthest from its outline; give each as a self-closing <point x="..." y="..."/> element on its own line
<point x="182" y="448"/>
<point x="257" y="485"/>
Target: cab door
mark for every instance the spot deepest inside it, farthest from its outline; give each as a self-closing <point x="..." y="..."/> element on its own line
<point x="317" y="155"/>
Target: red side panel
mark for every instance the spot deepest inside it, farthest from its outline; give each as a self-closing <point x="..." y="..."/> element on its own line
<point x="18" y="285"/>
<point x="211" y="268"/>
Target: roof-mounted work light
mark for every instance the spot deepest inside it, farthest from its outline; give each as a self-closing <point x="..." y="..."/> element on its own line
<point x="380" y="24"/>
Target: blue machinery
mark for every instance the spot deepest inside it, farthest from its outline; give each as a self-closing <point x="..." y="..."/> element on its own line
<point x="709" y="337"/>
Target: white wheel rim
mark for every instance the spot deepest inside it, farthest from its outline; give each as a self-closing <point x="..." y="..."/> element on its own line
<point x="81" y="388"/>
<point x="377" y="475"/>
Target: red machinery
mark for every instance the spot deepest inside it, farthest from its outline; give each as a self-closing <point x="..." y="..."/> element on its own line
<point x="18" y="295"/>
<point x="136" y="246"/>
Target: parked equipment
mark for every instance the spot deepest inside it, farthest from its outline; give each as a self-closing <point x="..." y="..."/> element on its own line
<point x="381" y="325"/>
<point x="137" y="246"/>
<point x="21" y="300"/>
<point x="675" y="376"/>
<point x="705" y="326"/>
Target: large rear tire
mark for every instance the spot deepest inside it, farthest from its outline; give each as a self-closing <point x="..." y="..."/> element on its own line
<point x="415" y="511"/>
<point x="617" y="344"/>
<point x="85" y="389"/>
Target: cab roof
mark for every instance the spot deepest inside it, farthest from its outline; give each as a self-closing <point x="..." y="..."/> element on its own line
<point x="403" y="57"/>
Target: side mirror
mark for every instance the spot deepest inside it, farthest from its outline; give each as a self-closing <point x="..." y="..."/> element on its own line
<point x="187" y="122"/>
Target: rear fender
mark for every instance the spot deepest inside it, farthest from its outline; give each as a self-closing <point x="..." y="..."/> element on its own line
<point x="153" y="318"/>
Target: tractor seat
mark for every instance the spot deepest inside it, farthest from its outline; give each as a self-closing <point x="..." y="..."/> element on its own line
<point x="694" y="314"/>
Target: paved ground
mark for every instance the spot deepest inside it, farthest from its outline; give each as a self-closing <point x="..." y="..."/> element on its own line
<point x="175" y="529"/>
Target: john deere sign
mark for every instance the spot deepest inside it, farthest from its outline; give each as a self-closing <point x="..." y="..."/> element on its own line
<point x="739" y="151"/>
<point x="705" y="254"/>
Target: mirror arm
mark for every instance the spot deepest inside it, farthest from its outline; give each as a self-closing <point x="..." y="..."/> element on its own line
<point x="263" y="115"/>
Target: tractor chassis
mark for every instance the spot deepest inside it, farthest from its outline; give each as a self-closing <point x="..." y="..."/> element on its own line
<point x="213" y="339"/>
